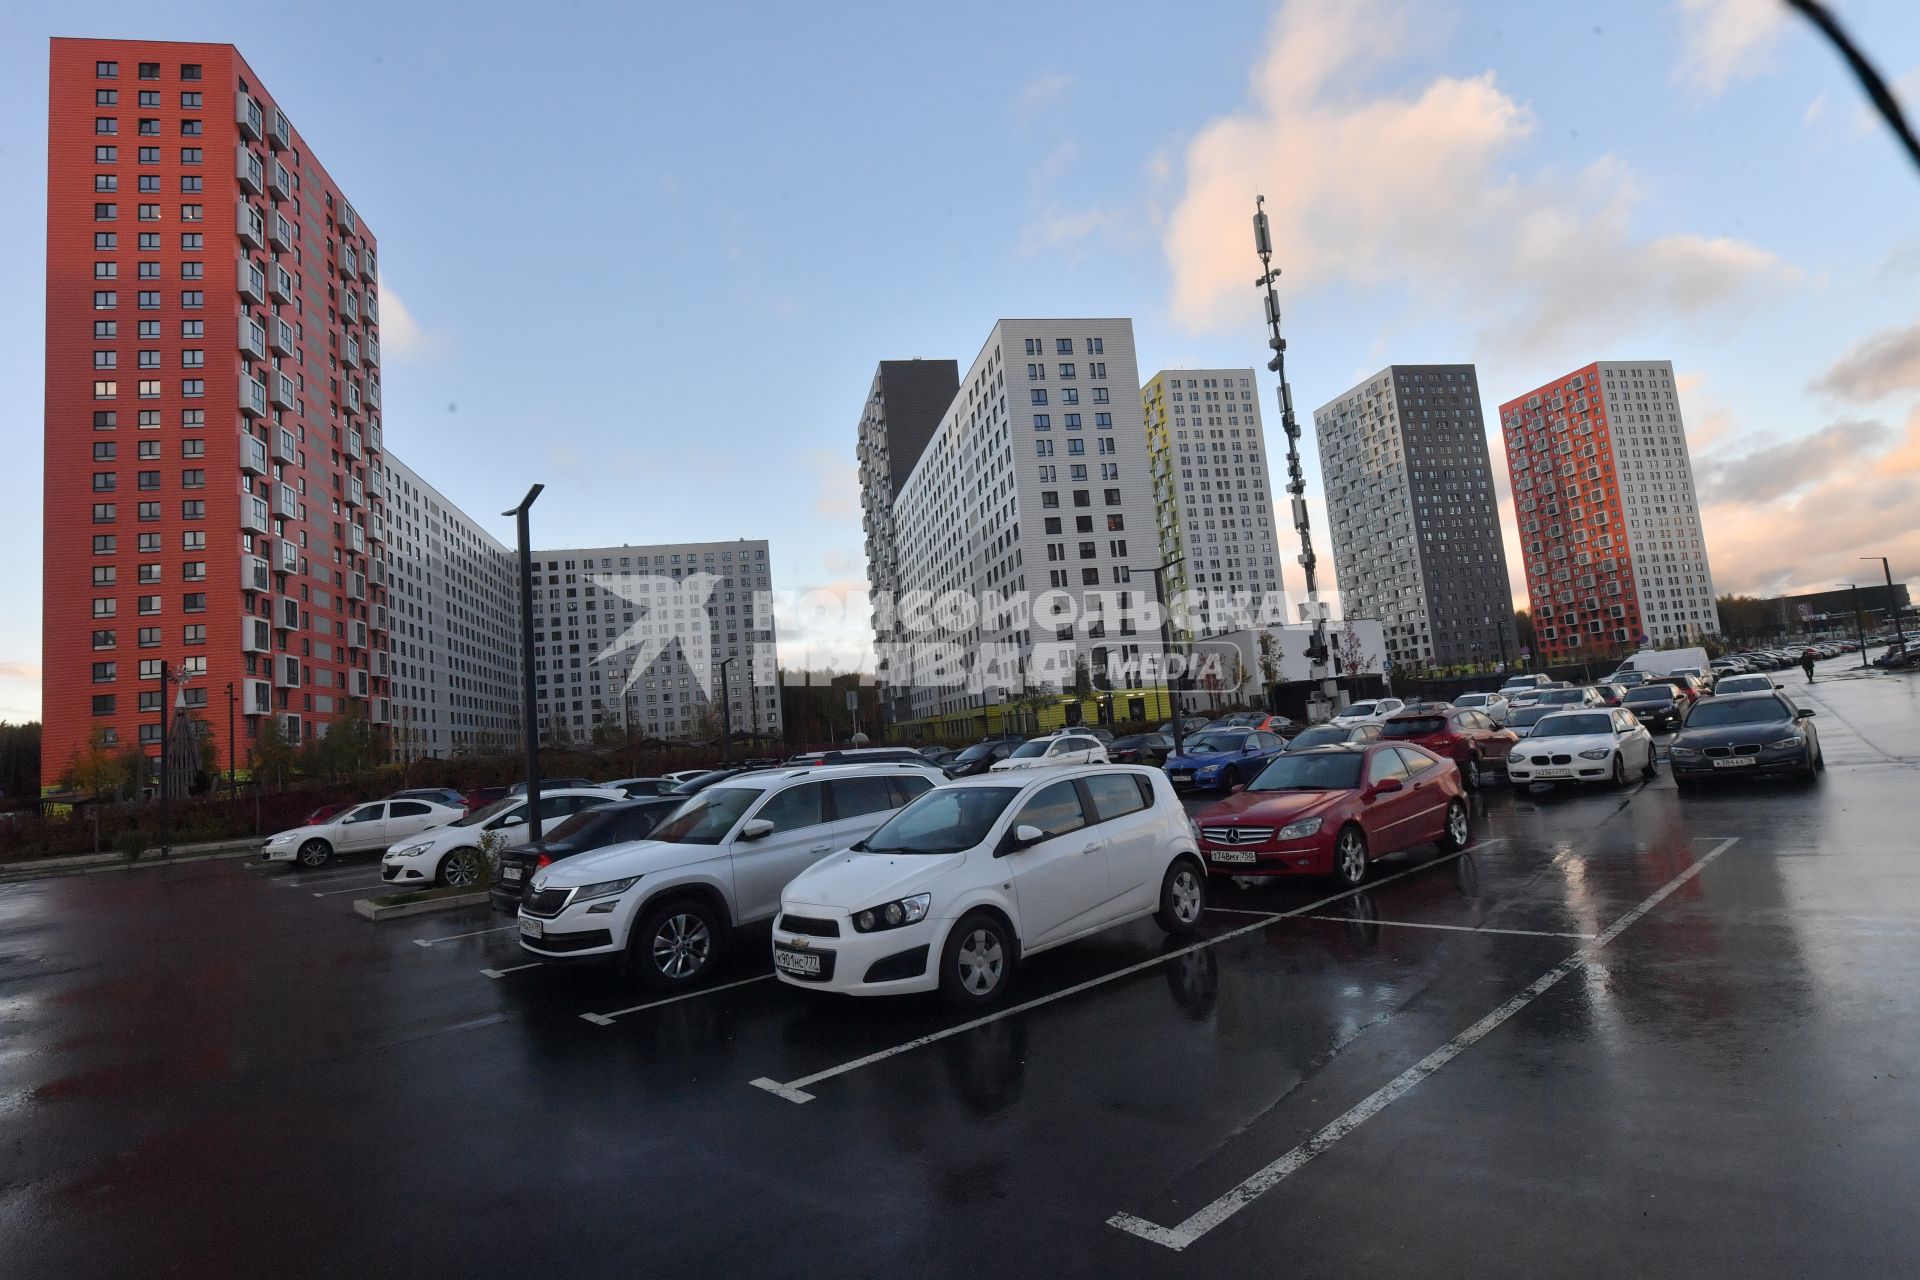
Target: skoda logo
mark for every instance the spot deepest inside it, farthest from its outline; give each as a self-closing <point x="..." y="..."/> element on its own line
<point x="539" y="883"/>
<point x="1233" y="835"/>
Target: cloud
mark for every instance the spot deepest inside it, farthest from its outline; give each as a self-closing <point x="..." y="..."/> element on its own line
<point x="19" y="691"/>
<point x="1866" y="502"/>
<point x="1725" y="40"/>
<point x="1876" y="366"/>
<point x="1780" y="469"/>
<point x="1042" y="91"/>
<point x="836" y="483"/>
<point x="1816" y="110"/>
<point x="1419" y="191"/>
<point x="402" y="339"/>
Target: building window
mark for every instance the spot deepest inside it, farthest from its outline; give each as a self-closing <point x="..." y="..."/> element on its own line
<point x="105" y="672"/>
<point x="149" y="511"/>
<point x="149" y="71"/>
<point x="189" y="71"/>
<point x="194" y="602"/>
<point x="195" y="634"/>
<point x="193" y="299"/>
<point x="193" y="510"/>
<point x="106" y="126"/>
<point x="190" y="155"/>
<point x="103" y="512"/>
<point x="193" y="479"/>
<point x="105" y="607"/>
<point x="106" y="97"/>
<point x="191" y="101"/>
<point x="106" y="213"/>
<point x="194" y="388"/>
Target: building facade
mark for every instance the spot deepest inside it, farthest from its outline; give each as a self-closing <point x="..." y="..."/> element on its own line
<point x="213" y="493"/>
<point x="1609" y="522"/>
<point x="1032" y="506"/>
<point x="455" y="644"/>
<point x="904" y="406"/>
<point x="1212" y="499"/>
<point x="633" y="639"/>
<point x="1416" y="529"/>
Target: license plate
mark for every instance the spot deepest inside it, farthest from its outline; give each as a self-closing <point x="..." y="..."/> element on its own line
<point x="532" y="928"/>
<point x="1733" y="762"/>
<point x="1231" y="855"/>
<point x="1180" y="775"/>
<point x="802" y="963"/>
<point x="510" y="874"/>
<point x="1553" y="773"/>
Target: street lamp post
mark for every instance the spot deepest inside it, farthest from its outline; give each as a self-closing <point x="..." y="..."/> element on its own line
<point x="1894" y="610"/>
<point x="1859" y="629"/>
<point x="1166" y="646"/>
<point x="166" y="788"/>
<point x="529" y="729"/>
<point x="233" y="787"/>
<point x="726" y="713"/>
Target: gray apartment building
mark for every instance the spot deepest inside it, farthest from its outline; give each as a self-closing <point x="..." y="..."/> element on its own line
<point x="1416" y="530"/>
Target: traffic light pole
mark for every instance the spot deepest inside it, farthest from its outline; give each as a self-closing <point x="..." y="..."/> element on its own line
<point x="1325" y="695"/>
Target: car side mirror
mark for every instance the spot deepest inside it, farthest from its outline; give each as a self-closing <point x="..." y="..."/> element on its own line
<point x="513" y="820"/>
<point x="757" y="829"/>
<point x="1019" y="838"/>
<point x="1386" y="786"/>
<point x="1803" y="714"/>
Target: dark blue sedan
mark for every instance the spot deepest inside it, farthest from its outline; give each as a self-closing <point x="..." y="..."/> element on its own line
<point x="1221" y="759"/>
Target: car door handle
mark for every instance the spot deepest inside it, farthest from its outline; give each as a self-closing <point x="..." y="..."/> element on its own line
<point x="1094" y="846"/>
<point x="821" y="848"/>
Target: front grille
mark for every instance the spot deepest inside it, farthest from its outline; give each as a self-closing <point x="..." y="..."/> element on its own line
<point x="1236" y="837"/>
<point x="389" y="873"/>
<point x="547" y="902"/>
<point x="561" y="942"/>
<point x="811" y="926"/>
<point x="1719" y="753"/>
<point x="1559" y="759"/>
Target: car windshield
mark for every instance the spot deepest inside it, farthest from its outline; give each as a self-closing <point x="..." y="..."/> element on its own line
<point x="1359" y="709"/>
<point x="1202" y="743"/>
<point x="1321" y="736"/>
<point x="493" y="810"/>
<point x="1571" y="726"/>
<point x="1413" y="726"/>
<point x="1745" y="684"/>
<point x="1027" y="750"/>
<point x="1311" y="771"/>
<point x="975" y="752"/>
<point x="1650" y="693"/>
<point x="573" y="826"/>
<point x="1529" y="715"/>
<point x="1562" y="697"/>
<point x="1710" y="714"/>
<point x="1471" y="700"/>
<point x="945" y="820"/>
<point x="707" y="817"/>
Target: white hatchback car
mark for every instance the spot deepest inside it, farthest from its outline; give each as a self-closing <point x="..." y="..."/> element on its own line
<point x="360" y="829"/>
<point x="1374" y="711"/>
<point x="450" y="855"/>
<point x="969" y="879"/>
<point x="1058" y="748"/>
<point x="719" y="861"/>
<point x="1585" y="744"/>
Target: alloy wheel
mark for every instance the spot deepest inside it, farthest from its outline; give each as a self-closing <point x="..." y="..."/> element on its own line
<point x="1457" y="828"/>
<point x="1352" y="857"/>
<point x="980" y="961"/>
<point x="1473" y="772"/>
<point x="313" y="853"/>
<point x="681" y="946"/>
<point x="462" y="869"/>
<point x="1185" y="895"/>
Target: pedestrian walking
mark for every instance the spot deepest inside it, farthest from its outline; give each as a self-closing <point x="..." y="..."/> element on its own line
<point x="1806" y="663"/>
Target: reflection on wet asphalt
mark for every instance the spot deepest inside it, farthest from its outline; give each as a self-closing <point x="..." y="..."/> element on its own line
<point x="210" y="1069"/>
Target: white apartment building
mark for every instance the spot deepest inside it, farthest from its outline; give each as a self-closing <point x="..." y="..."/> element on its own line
<point x="454" y="647"/>
<point x="1213" y="500"/>
<point x="1037" y="480"/>
<point x="676" y="612"/>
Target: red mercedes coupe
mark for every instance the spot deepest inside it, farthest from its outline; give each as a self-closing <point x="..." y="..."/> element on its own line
<point x="1333" y="810"/>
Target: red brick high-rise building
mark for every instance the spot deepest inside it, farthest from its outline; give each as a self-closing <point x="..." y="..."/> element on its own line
<point x="1609" y="522"/>
<point x="214" y="493"/>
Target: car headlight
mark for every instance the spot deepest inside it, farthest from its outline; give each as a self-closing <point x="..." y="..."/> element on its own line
<point x="1208" y="768"/>
<point x="413" y="849"/>
<point x="1596" y="755"/>
<point x="605" y="889"/>
<point x="893" y="914"/>
<point x="284" y="837"/>
<point x="1781" y="744"/>
<point x="1518" y="753"/>
<point x="1298" y="830"/>
<point x="1682" y="753"/>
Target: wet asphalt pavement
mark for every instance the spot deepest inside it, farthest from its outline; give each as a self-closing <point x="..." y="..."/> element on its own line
<point x="1625" y="1033"/>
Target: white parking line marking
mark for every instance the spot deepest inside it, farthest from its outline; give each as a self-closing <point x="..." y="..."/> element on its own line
<point x="362" y="887"/>
<point x="1460" y="928"/>
<point x="501" y="973"/>
<point x="795" y="1090"/>
<point x="606" y="1019"/>
<point x="1240" y="911"/>
<point x="1212" y="1215"/>
<point x="434" y="942"/>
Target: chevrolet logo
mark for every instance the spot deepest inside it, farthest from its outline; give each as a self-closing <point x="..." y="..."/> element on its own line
<point x="799" y="944"/>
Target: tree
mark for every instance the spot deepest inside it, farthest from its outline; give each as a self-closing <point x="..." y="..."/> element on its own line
<point x="1269" y="659"/>
<point x="1351" y="653"/>
<point x="1523" y="631"/>
<point x="272" y="754"/>
<point x="20" y="758"/>
<point x="349" y="746"/>
<point x="1082" y="677"/>
<point x="95" y="768"/>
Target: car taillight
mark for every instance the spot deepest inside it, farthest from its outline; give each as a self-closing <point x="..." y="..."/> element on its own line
<point x="545" y="861"/>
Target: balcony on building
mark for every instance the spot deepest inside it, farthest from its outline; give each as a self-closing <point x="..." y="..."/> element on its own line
<point x="247" y="168"/>
<point x="372" y="351"/>
<point x="379" y="618"/>
<point x="280" y="284"/>
<point x="356" y="586"/>
<point x="253" y="397"/>
<point x="354" y="449"/>
<point x="376" y="484"/>
<point x="286" y="501"/>
<point x="282" y="446"/>
<point x="348" y="219"/>
<point x="289" y="557"/>
<point x="373" y="392"/>
<point x="252" y="282"/>
<point x="284" y="393"/>
<point x="356" y="497"/>
<point x="349" y="307"/>
<point x="349" y="262"/>
<point x="367" y="271"/>
<point x="280" y="182"/>
<point x="286" y="672"/>
<point x="253" y="514"/>
<point x="256" y="698"/>
<point x="253" y="455"/>
<point x="357" y="686"/>
<point x="351" y="399"/>
<point x="373" y="308"/>
<point x="377" y="711"/>
<point x="280" y="233"/>
<point x="249" y="224"/>
<point x="287" y="617"/>
<point x="248" y="115"/>
<point x="373" y="435"/>
<point x="253" y="574"/>
<point x="357" y="634"/>
<point x="256" y="636"/>
<point x="357" y="539"/>
<point x="350" y="353"/>
<point x="280" y="136"/>
<point x="280" y="337"/>
<point x="253" y="338"/>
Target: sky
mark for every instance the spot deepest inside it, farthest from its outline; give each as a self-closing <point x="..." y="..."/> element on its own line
<point x="650" y="255"/>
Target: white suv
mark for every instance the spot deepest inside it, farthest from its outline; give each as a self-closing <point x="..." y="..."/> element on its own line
<point x="451" y="855"/>
<point x="719" y="861"/>
<point x="959" y="886"/>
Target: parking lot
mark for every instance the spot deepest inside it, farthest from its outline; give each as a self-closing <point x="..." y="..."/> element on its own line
<point x="1623" y="1032"/>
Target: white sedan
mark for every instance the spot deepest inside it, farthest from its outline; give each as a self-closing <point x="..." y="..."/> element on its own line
<point x="1592" y="744"/>
<point x="361" y="829"/>
<point x="1375" y="711"/>
<point x="1060" y="748"/>
<point x="451" y="855"/>
<point x="1494" y="704"/>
